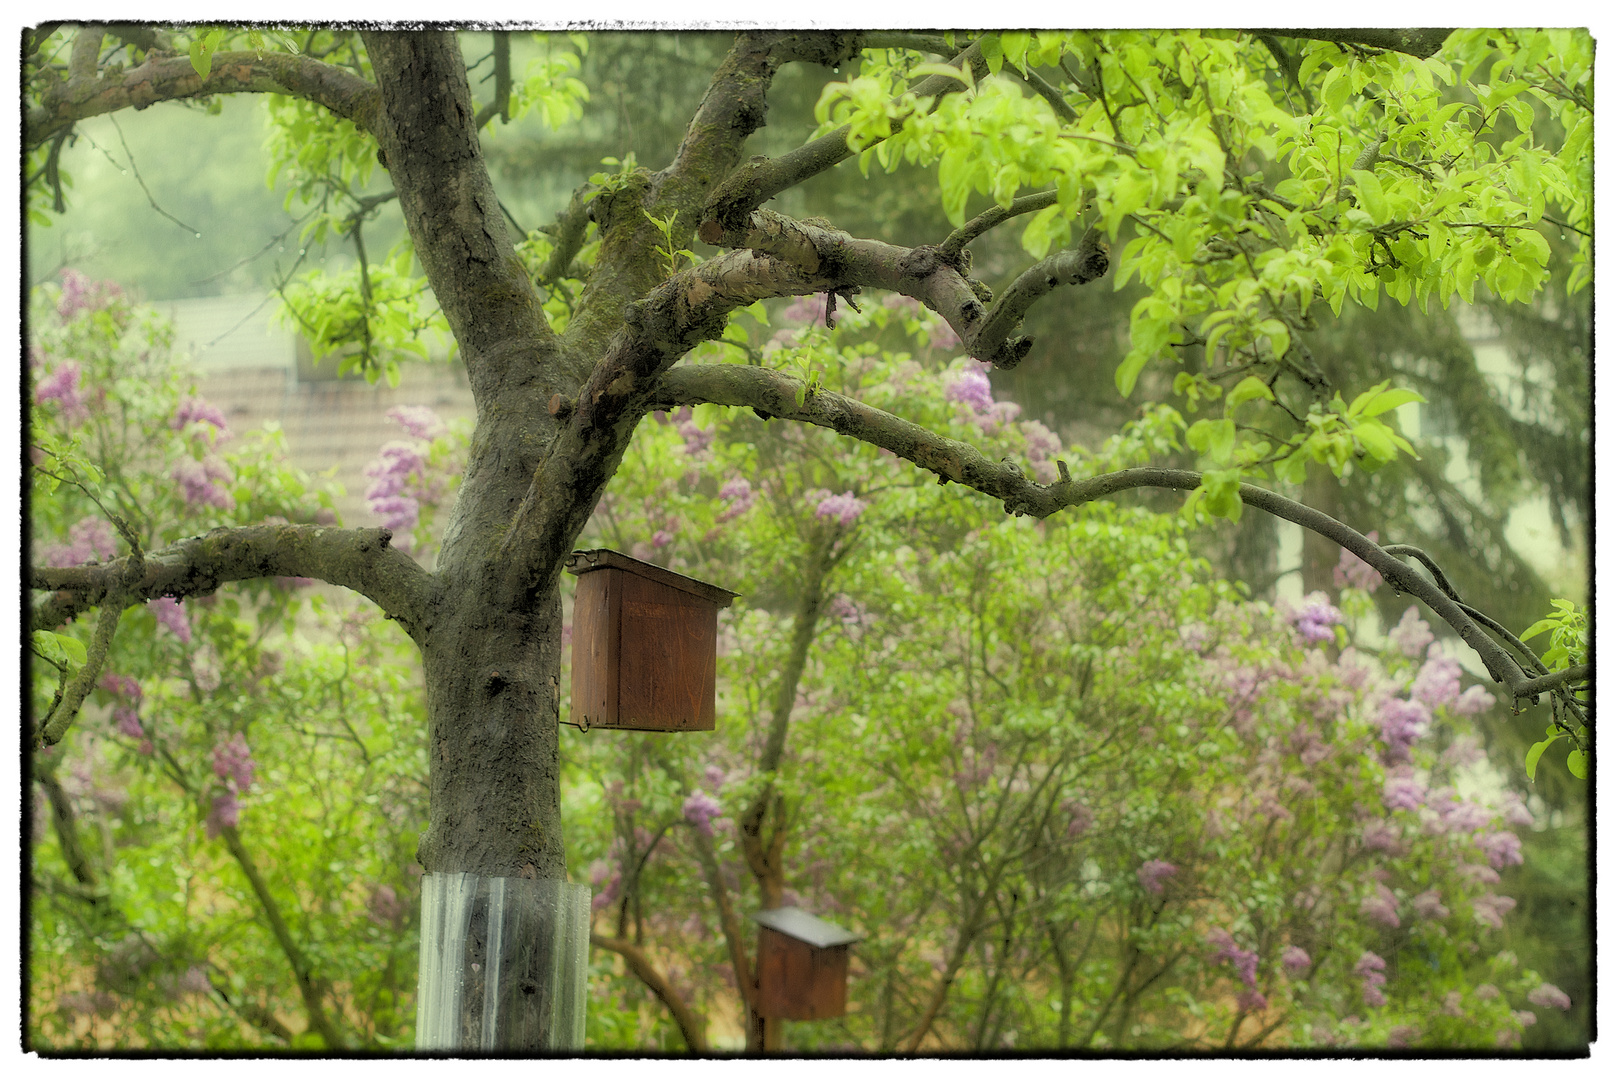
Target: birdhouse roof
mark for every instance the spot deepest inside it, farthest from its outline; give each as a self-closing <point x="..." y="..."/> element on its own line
<point x="583" y="562"/>
<point x="805" y="927"/>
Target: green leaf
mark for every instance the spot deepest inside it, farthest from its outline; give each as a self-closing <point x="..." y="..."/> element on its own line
<point x="1540" y="627"/>
<point x="1577" y="764"/>
<point x="74" y="649"/>
<point x="1250" y="388"/>
<point x="1534" y="756"/>
<point x="1129" y="368"/>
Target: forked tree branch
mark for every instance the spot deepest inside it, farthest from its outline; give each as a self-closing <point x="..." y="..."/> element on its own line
<point x="1421" y="43"/>
<point x="172" y="78"/>
<point x="358" y="559"/>
<point x="693" y="1027"/>
<point x="777" y="394"/>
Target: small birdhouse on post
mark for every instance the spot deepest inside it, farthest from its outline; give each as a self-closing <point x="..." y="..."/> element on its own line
<point x="803" y="965"/>
<point x="643" y="645"/>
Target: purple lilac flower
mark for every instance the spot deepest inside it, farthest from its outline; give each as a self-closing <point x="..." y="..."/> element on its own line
<point x="699" y="810"/>
<point x="609" y="893"/>
<point x="1428" y="906"/>
<point x="62" y="386"/>
<point x="225" y="813"/>
<point x="714" y="776"/>
<point x="1315" y="621"/>
<point x="971" y="388"/>
<point x="1524" y="1016"/>
<point x="1381" y="835"/>
<point x="1296" y="961"/>
<point x="79" y="293"/>
<point x="384" y="907"/>
<point x="1480" y="873"/>
<point x="399" y="513"/>
<point x="999" y="415"/>
<point x="1403" y="723"/>
<point x="1453" y="1004"/>
<point x="900" y="302"/>
<point x="1500" y="848"/>
<point x="233" y="762"/>
<point x="194" y="981"/>
<point x="1251" y="1001"/>
<point x="89" y="538"/>
<point x="1472" y="701"/>
<point x="845" y="610"/>
<point x="1489" y="909"/>
<point x="419" y="421"/>
<point x="739" y="496"/>
<point x="1401" y="1036"/>
<point x="1153" y="873"/>
<point x="171" y="615"/>
<point x="1514" y="812"/>
<point x="200" y="482"/>
<point x="124" y="686"/>
<point x="1548" y="996"/>
<point x="194" y="410"/>
<point x="1487" y="992"/>
<point x="810" y="309"/>
<point x="1411" y="635"/>
<point x="843" y="509"/>
<point x="128" y="721"/>
<point x="697" y="438"/>
<point x="1371" y="970"/>
<point x="1039" y="441"/>
<point x="393" y="467"/>
<point x="662" y="538"/>
<point x="1438" y="681"/>
<point x="1380" y="907"/>
<point x="1465" y="816"/>
<point x="1352" y="571"/>
<point x="1403" y="792"/>
<point x="941" y="336"/>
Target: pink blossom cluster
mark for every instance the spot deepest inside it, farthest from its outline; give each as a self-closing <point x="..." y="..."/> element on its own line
<point x="739" y="496"/>
<point x="201" y="482"/>
<point x="224" y="813"/>
<point x="195" y="410"/>
<point x="1153" y="873"/>
<point x="810" y="309"/>
<point x="1245" y="962"/>
<point x="385" y="908"/>
<point x="396" y="464"/>
<point x="942" y="337"/>
<point x="1080" y="818"/>
<point x="419" y="421"/>
<point x="1380" y="907"/>
<point x="79" y="293"/>
<point x="1428" y="906"/>
<point x="1548" y="996"/>
<point x="971" y="388"/>
<point x="699" y="809"/>
<point x="843" y="509"/>
<point x="1316" y="619"/>
<point x="1370" y="968"/>
<point x="233" y="762"/>
<point x="126" y="692"/>
<point x="1355" y="573"/>
<point x="607" y="878"/>
<point x="1438" y="681"/>
<point x="62" y="387"/>
<point x="172" y="616"/>
<point x="697" y="439"/>
<point x="1411" y="635"/>
<point x="1296" y="961"/>
<point x="1402" y="723"/>
<point x="1501" y="848"/>
<point x="88" y="538"/>
<point x="1489" y="909"/>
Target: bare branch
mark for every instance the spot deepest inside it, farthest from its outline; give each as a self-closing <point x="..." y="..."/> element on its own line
<point x="1024" y="204"/>
<point x="358" y="559"/>
<point x="173" y="79"/>
<point x="747" y="189"/>
<point x="1421" y="43"/>
<point x="1076" y="266"/>
<point x="777" y="394"/>
<point x="1553" y="680"/>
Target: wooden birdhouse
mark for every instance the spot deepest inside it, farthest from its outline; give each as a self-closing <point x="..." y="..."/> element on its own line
<point x="803" y="965"/>
<point x="643" y="645"/>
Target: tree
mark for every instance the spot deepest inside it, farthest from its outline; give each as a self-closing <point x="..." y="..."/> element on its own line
<point x="1255" y="188"/>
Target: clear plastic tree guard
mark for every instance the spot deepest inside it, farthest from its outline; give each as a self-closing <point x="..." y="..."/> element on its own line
<point x="503" y="964"/>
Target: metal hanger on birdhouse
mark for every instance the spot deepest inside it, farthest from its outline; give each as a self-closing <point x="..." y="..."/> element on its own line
<point x="643" y="650"/>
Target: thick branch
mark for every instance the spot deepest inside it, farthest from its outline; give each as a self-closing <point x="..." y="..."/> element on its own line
<point x="67" y="708"/>
<point x="692" y="1025"/>
<point x="173" y="79"/>
<point x="972" y="230"/>
<point x="776" y="394"/>
<point x="756" y="182"/>
<point x="358" y="559"/>
<point x="429" y="136"/>
<point x="1076" y="266"/>
<point x="1421" y="43"/>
